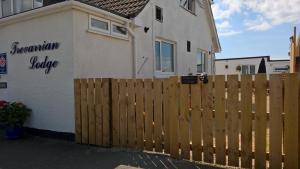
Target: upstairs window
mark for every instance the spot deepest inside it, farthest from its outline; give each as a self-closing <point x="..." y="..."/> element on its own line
<point x="159" y="14"/>
<point x="6" y="7"/>
<point x="188" y="5"/>
<point x="99" y="24"/>
<point x="10" y="7"/>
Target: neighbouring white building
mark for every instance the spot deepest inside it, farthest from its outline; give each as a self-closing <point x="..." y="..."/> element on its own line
<point x="250" y="65"/>
<point x="49" y="43"/>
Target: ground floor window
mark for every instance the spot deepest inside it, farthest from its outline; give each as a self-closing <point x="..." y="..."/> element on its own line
<point x="248" y="69"/>
<point x="201" y="61"/>
<point x="164" y="56"/>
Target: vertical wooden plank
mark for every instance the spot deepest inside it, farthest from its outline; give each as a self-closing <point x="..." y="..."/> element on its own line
<point x="166" y="115"/>
<point x="173" y="98"/>
<point x="196" y="122"/>
<point x="91" y="112"/>
<point x="260" y="120"/>
<point x="140" y="114"/>
<point x="158" y="115"/>
<point x="115" y="113"/>
<point x="207" y="104"/>
<point x="123" y="113"/>
<point x="276" y="128"/>
<point x="84" y="112"/>
<point x="131" y="114"/>
<point x="246" y="121"/>
<point x="232" y="121"/>
<point x="77" y="93"/>
<point x="99" y="118"/>
<point x="291" y="101"/>
<point x="220" y="119"/>
<point x="106" y="111"/>
<point x="149" y="114"/>
<point x="184" y="121"/>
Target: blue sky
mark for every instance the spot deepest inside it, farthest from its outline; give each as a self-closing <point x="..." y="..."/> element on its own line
<point x="256" y="27"/>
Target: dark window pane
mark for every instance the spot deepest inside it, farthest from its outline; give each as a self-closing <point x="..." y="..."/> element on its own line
<point x="99" y="24"/>
<point x="120" y="30"/>
<point x="159" y="13"/>
<point x="188" y="46"/>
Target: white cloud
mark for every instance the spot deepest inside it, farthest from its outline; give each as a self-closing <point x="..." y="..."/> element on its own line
<point x="264" y="14"/>
<point x="259" y="24"/>
<point x="223" y="25"/>
<point x="229" y="33"/>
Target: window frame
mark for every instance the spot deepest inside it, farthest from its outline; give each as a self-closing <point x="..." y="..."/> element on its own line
<point x="14" y="12"/>
<point x="160" y="73"/>
<point x="116" y="34"/>
<point x="186" y="7"/>
<point x="204" y="61"/>
<point x="161" y="14"/>
<point x="99" y="30"/>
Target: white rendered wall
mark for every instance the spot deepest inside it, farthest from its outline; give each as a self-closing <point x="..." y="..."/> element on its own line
<point x="49" y="96"/>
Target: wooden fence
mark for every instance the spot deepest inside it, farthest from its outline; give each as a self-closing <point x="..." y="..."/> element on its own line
<point x="246" y="121"/>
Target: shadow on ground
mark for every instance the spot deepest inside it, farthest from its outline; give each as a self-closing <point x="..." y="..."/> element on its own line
<point x="45" y="153"/>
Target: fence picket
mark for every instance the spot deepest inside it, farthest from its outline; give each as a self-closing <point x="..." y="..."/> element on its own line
<point x="196" y="122"/>
<point x="123" y="113"/>
<point x="276" y="123"/>
<point x="207" y="105"/>
<point x="174" y="111"/>
<point x="77" y="93"/>
<point x="246" y="121"/>
<point x="131" y="114"/>
<point x="220" y="120"/>
<point x="166" y="117"/>
<point x="184" y="121"/>
<point x="84" y="112"/>
<point x="149" y="114"/>
<point x="158" y="116"/>
<point x="291" y="101"/>
<point x="233" y="120"/>
<point x="99" y="111"/>
<point x="115" y="113"/>
<point x="140" y="114"/>
<point x="91" y="112"/>
<point x="260" y="120"/>
<point x="106" y="111"/>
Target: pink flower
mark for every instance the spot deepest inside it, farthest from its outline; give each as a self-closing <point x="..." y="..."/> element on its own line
<point x="3" y="104"/>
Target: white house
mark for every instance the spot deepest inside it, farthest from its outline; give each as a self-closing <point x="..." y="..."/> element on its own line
<point x="48" y="43"/>
<point x="250" y="65"/>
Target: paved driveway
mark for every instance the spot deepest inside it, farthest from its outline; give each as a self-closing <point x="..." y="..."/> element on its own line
<point x="45" y="153"/>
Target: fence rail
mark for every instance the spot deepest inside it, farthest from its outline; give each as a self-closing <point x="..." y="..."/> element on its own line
<point x="245" y="121"/>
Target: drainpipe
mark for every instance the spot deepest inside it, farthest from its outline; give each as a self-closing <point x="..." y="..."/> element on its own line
<point x="131" y="32"/>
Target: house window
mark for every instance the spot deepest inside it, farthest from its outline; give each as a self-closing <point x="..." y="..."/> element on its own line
<point x="159" y="14"/>
<point x="99" y="24"/>
<point x="37" y="3"/>
<point x="119" y="30"/>
<point x="188" y="46"/>
<point x="6" y="6"/>
<point x="201" y="61"/>
<point x="248" y="69"/>
<point x="9" y="7"/>
<point x="188" y="5"/>
<point x="164" y="57"/>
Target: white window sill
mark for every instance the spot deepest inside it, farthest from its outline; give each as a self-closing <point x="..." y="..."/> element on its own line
<point x="163" y="74"/>
<point x="108" y="34"/>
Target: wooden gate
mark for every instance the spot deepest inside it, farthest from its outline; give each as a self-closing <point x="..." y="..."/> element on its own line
<point x="245" y="121"/>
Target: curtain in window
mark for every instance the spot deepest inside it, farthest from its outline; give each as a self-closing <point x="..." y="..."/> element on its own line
<point x="6" y="7"/>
